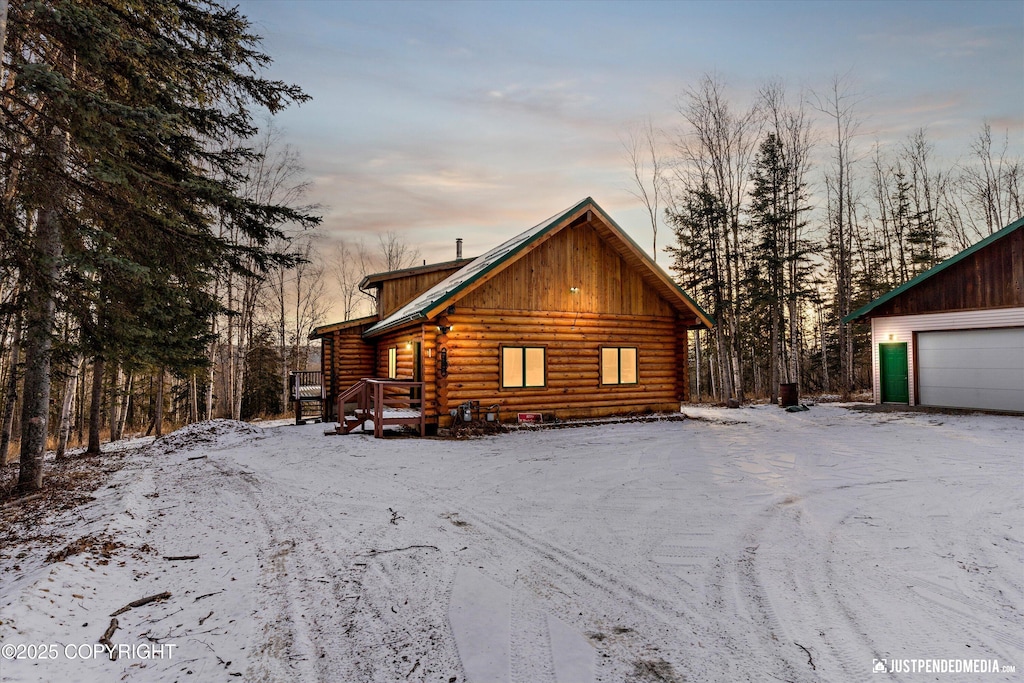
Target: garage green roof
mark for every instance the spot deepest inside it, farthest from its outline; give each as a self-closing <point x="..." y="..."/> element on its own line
<point x="935" y="270"/>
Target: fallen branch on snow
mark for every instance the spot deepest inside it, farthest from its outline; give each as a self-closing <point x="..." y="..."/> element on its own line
<point x="105" y="639"/>
<point x="19" y="501"/>
<point x="207" y="595"/>
<point x="174" y="558"/>
<point x="374" y="551"/>
<point x="143" y="601"/>
<point x="810" y="659"/>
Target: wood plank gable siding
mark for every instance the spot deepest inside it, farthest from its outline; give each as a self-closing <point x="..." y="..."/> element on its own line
<point x="345" y="359"/>
<point x="398" y="291"/>
<point x="992" y="277"/>
<point x="532" y="303"/>
<point x="577" y="256"/>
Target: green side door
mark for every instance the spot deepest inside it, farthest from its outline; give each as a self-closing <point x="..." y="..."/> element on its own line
<point x="892" y="371"/>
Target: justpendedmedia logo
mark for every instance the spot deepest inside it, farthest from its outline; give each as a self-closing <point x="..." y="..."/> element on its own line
<point x="940" y="666"/>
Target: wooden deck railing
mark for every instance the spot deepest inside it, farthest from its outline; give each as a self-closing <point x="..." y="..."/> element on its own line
<point x="385" y="402"/>
<point x="306" y="390"/>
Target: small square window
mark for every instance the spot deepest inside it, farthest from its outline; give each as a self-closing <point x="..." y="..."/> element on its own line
<point x="523" y="366"/>
<point x="619" y="365"/>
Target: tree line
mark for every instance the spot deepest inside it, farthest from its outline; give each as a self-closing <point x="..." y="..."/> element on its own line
<point x="786" y="217"/>
<point x="140" y="212"/>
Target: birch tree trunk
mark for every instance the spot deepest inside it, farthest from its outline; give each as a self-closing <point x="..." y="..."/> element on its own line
<point x="67" y="407"/>
<point x="126" y="397"/>
<point x="158" y="417"/>
<point x="39" y="323"/>
<point x="11" y="393"/>
<point x="96" y="406"/>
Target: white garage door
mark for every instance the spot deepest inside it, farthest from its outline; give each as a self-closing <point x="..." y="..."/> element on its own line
<point x="971" y="369"/>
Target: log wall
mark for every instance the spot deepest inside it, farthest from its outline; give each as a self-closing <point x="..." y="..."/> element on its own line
<point x="404" y="342"/>
<point x="573" y="342"/>
<point x="346" y="359"/>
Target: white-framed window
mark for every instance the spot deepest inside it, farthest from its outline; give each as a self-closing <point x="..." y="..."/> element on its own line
<point x="618" y="365"/>
<point x="523" y="366"/>
<point x="393" y="362"/>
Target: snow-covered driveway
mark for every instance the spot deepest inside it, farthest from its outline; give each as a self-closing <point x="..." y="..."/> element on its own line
<point x="753" y="545"/>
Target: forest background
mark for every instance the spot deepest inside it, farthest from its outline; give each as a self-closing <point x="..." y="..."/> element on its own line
<point x="162" y="262"/>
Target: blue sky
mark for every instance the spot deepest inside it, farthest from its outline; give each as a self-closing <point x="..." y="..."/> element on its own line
<point x="480" y="119"/>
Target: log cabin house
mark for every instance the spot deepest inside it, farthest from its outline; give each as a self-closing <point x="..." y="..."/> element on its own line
<point x="569" y="319"/>
<point x="954" y="335"/>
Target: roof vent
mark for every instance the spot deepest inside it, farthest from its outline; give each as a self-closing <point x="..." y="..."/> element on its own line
<point x="458" y="247"/>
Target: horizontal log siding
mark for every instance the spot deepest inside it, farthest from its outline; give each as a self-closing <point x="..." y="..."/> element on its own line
<point x="346" y="360"/>
<point x="573" y="343"/>
<point x="576" y="257"/>
<point x="425" y="334"/>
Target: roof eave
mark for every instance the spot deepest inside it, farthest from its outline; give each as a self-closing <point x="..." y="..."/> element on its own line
<point x="934" y="270"/>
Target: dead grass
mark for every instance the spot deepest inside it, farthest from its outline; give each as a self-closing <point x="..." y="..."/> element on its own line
<point x="66" y="485"/>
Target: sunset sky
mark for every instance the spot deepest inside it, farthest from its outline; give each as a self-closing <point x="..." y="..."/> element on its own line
<point x="480" y="119"/>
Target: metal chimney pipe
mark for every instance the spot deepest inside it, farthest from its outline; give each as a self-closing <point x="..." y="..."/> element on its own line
<point x="458" y="247"/>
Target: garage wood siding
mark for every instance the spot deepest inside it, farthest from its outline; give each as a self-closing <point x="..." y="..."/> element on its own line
<point x="573" y="376"/>
<point x="991" y="278"/>
<point x="901" y="329"/>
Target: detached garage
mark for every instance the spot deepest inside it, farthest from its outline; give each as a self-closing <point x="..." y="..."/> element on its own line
<point x="954" y="335"/>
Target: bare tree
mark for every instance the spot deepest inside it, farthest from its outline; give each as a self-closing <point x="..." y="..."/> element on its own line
<point x="67" y="405"/>
<point x="641" y="145"/>
<point x="349" y="266"/>
<point x="838" y="104"/>
<point x="310" y="305"/>
<point x="991" y="183"/>
<point x="395" y="252"/>
<point x="717" y="147"/>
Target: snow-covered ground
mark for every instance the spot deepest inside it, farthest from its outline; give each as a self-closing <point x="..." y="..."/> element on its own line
<point x="749" y="545"/>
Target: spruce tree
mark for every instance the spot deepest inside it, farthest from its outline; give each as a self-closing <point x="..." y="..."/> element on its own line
<point x="121" y="118"/>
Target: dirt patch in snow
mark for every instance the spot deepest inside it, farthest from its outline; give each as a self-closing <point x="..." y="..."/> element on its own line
<point x="67" y="484"/>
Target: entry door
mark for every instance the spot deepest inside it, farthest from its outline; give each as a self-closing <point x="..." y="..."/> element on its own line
<point x="892" y="372"/>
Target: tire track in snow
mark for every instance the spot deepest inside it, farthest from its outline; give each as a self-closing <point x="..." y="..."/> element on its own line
<point x="583" y="569"/>
<point x="286" y="648"/>
<point x="346" y="603"/>
<point x="631" y="625"/>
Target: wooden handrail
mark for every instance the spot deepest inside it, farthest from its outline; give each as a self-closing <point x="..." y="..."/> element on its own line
<point x="373" y="396"/>
<point x="306" y="378"/>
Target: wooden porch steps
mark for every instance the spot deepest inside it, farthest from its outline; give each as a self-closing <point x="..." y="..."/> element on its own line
<point x="385" y="402"/>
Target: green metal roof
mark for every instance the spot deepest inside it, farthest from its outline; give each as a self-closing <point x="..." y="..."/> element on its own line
<point x="994" y="237"/>
<point x="456" y="283"/>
